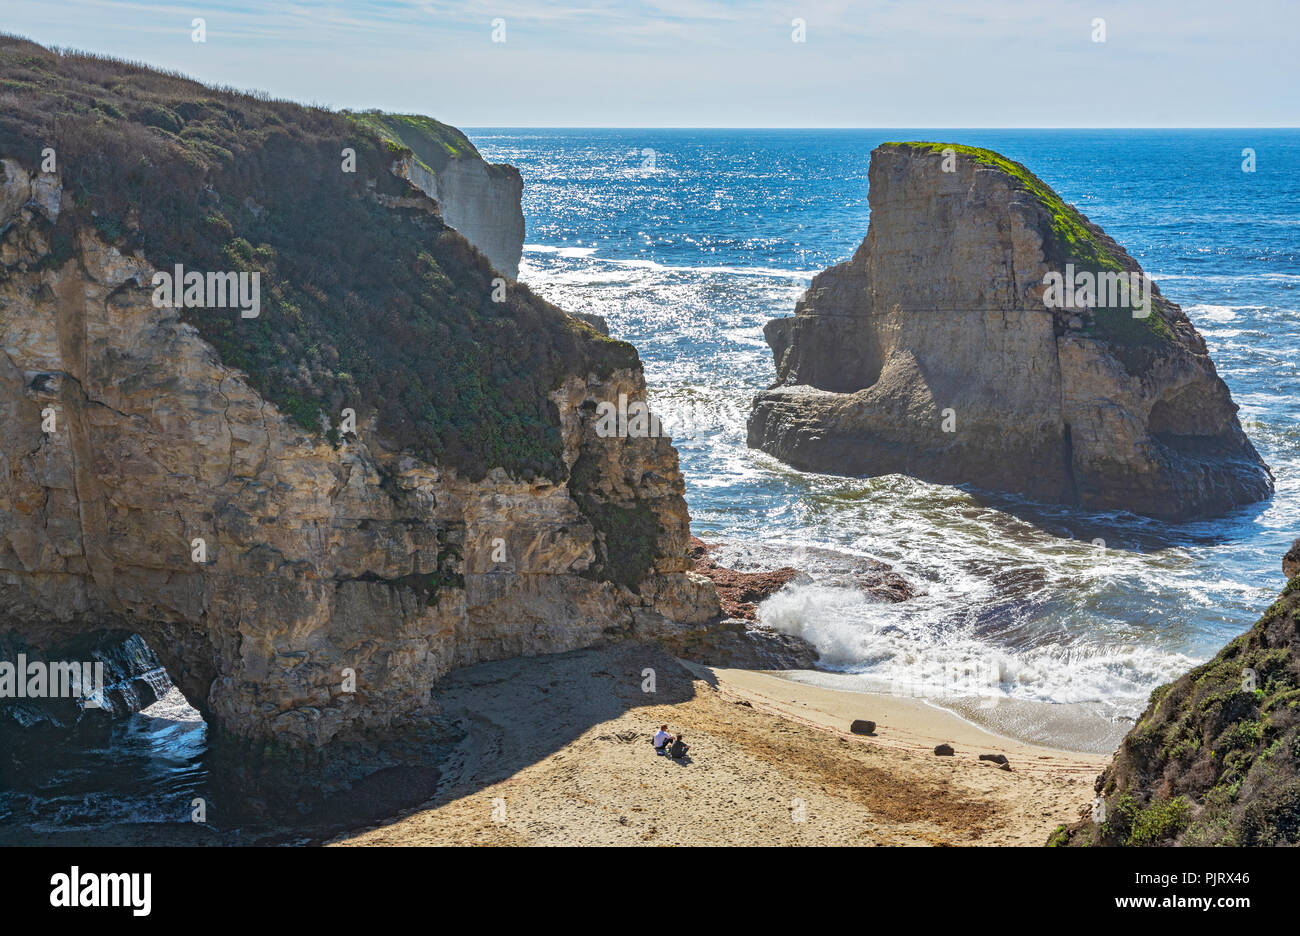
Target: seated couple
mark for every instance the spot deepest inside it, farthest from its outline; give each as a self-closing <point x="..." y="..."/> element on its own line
<point x="667" y="744"/>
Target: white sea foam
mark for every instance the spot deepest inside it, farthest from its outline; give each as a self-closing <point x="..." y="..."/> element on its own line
<point x="1227" y="277"/>
<point x="587" y="253"/>
<point x="916" y="655"/>
<point x="559" y="251"/>
<point x="1210" y="313"/>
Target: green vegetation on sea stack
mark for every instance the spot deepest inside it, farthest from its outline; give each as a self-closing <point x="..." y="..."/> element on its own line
<point x="1073" y="239"/>
<point x="384" y="310"/>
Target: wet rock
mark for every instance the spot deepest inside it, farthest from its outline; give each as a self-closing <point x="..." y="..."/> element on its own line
<point x="1291" y="561"/>
<point x="736" y="642"/>
<point x="739" y="593"/>
<point x="862" y="726"/>
<point x="994" y="758"/>
<point x="132" y="679"/>
<point x="944" y="750"/>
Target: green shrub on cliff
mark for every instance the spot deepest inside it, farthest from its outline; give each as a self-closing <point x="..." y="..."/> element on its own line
<point x="386" y="311"/>
<point x="1215" y="759"/>
<point x="433" y="143"/>
<point x="1161" y="820"/>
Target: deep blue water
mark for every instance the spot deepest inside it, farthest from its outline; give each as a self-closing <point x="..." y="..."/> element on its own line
<point x="687" y="241"/>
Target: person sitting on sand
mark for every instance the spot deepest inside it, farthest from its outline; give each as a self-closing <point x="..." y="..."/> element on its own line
<point x="662" y="740"/>
<point x="679" y="748"/>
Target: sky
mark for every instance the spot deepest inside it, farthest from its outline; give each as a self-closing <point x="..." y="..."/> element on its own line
<point x="714" y="63"/>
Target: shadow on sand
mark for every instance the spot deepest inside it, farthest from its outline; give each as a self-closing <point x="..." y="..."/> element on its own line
<point x="517" y="712"/>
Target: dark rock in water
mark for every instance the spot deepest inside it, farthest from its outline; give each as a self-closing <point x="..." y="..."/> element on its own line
<point x="71" y="687"/>
<point x="1215" y="758"/>
<point x="862" y="726"/>
<point x="944" y="750"/>
<point x="872" y="576"/>
<point x="995" y="758"/>
<point x="1291" y="561"/>
<point x="738" y="592"/>
<point x="946" y="349"/>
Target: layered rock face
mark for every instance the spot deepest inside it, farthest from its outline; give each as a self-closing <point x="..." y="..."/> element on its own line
<point x="933" y="353"/>
<point x="1215" y="759"/>
<point x="335" y="582"/>
<point x="484" y="202"/>
<point x="481" y="200"/>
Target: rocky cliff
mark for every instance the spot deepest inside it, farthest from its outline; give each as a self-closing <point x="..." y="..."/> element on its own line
<point x="313" y="513"/>
<point x="1215" y="758"/>
<point x="942" y="350"/>
<point x="479" y="199"/>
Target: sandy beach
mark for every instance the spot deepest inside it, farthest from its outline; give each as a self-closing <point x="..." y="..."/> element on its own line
<point x="558" y="752"/>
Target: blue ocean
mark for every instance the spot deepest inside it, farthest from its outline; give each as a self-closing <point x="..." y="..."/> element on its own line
<point x="688" y="241"/>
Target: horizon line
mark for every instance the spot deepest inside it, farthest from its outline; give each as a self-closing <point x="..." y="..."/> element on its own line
<point x="846" y="128"/>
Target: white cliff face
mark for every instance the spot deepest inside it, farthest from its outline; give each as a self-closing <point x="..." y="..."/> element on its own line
<point x="482" y="201"/>
<point x="319" y="560"/>
<point x="931" y="353"/>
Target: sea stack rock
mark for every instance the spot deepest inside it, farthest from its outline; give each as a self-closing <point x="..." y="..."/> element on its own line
<point x="986" y="333"/>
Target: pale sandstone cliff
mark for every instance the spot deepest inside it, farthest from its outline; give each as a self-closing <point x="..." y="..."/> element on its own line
<point x="939" y="317"/>
<point x="481" y="200"/>
<point x="318" y="557"/>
